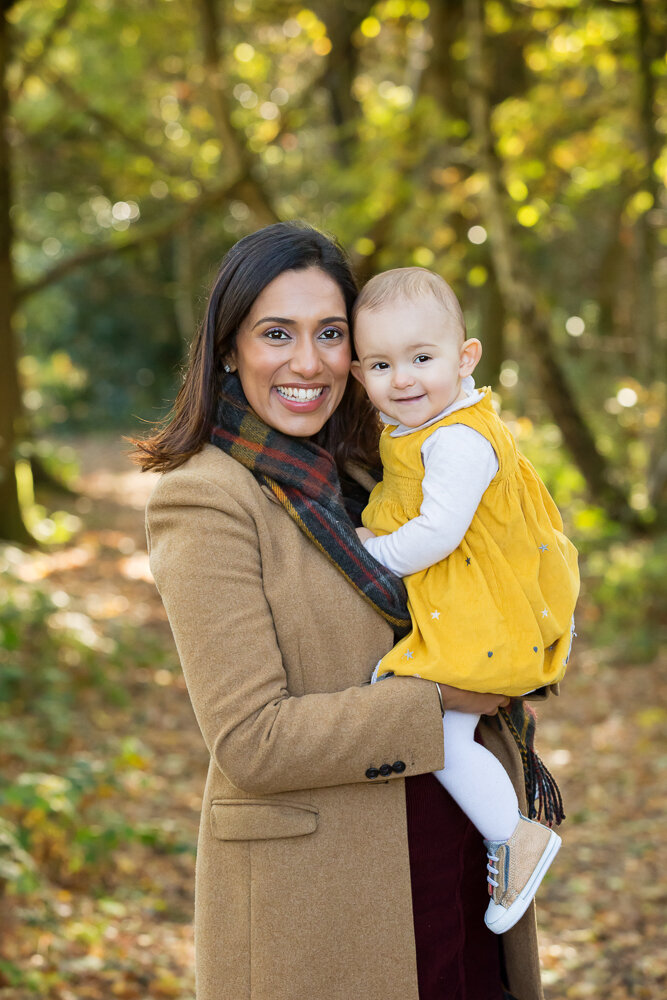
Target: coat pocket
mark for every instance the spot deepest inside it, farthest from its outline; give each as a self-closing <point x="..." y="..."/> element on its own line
<point x="257" y="819"/>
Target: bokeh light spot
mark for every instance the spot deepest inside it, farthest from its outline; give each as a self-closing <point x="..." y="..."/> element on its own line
<point x="627" y="397"/>
<point x="477" y="234"/>
<point x="575" y="326"/>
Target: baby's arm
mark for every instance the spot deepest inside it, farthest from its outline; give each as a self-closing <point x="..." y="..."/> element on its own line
<point x="459" y="464"/>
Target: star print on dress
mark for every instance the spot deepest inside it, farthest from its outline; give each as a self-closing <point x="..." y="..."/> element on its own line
<point x="435" y="615"/>
<point x="408" y="654"/>
<point x="467" y="560"/>
<point x="544" y="548"/>
<point x="545" y="613"/>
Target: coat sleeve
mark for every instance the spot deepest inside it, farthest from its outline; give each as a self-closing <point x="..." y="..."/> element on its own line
<point x="205" y="557"/>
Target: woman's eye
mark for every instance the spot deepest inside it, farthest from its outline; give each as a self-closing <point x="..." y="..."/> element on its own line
<point x="423" y="357"/>
<point x="331" y="333"/>
<point x="276" y="334"/>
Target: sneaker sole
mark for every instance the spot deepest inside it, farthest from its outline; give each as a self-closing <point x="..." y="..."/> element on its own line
<point x="513" y="913"/>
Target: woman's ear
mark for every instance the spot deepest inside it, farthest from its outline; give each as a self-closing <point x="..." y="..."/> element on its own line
<point x="471" y="352"/>
<point x="355" y="369"/>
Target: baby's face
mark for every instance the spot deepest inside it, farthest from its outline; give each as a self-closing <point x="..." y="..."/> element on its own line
<point x="411" y="359"/>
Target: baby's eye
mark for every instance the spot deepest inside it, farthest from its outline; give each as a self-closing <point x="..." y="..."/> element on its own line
<point x="275" y="333"/>
<point x="331" y="333"/>
<point x="423" y="357"/>
<point x="379" y="366"/>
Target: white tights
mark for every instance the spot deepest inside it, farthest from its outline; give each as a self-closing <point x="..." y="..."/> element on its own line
<point x="476" y="780"/>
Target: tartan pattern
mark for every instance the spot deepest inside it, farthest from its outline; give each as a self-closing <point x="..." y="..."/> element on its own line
<point x="542" y="793"/>
<point x="303" y="477"/>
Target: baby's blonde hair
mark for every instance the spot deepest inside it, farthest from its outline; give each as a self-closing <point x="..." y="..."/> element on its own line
<point x="409" y="283"/>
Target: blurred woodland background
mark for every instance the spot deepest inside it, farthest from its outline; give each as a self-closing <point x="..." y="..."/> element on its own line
<point x="517" y="148"/>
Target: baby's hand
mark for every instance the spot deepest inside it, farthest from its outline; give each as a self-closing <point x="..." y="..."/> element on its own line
<point x="364" y="534"/>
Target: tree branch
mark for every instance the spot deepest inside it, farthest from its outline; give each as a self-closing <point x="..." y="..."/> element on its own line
<point x="134" y="142"/>
<point x="58" y="23"/>
<point x="148" y="233"/>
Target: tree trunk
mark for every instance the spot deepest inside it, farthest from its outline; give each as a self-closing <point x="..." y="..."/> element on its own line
<point x="652" y="333"/>
<point x="492" y="319"/>
<point x="441" y="77"/>
<point x="12" y="527"/>
<point x="241" y="163"/>
<point x="518" y="295"/>
<point x="341" y="20"/>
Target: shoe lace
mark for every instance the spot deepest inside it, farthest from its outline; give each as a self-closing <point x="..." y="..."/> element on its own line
<point x="493" y="884"/>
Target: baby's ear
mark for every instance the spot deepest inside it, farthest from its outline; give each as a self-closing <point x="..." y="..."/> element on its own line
<point x="471" y="352"/>
<point x="355" y="369"/>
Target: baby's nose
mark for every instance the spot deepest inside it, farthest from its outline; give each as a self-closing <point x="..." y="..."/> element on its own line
<point x="403" y="377"/>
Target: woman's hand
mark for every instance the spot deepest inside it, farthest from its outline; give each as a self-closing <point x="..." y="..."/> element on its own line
<point x="458" y="700"/>
<point x="364" y="534"/>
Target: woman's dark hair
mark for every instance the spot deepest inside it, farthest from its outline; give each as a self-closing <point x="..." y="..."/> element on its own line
<point x="351" y="433"/>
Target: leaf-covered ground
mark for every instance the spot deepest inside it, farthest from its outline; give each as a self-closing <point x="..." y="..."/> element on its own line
<point x="112" y="919"/>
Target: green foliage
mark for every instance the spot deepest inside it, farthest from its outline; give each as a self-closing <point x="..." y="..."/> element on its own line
<point x="103" y="364"/>
<point x="627" y="586"/>
<point x="355" y="119"/>
<point x="62" y="822"/>
<point x="59" y="824"/>
<point x="33" y="980"/>
<point x="48" y="657"/>
<point x="17" y="867"/>
<point x="624" y="583"/>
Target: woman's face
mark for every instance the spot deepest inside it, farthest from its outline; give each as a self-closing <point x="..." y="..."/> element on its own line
<point x="292" y="352"/>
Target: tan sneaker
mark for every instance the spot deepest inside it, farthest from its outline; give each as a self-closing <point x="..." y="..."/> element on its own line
<point x="516" y="867"/>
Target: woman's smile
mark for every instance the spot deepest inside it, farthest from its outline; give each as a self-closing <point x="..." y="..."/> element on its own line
<point x="299" y="398"/>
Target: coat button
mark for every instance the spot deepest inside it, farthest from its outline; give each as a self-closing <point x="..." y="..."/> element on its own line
<point x="372" y="772"/>
<point x="398" y="767"/>
<point x="385" y="770"/>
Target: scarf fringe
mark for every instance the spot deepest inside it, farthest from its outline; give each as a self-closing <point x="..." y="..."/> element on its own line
<point x="545" y="801"/>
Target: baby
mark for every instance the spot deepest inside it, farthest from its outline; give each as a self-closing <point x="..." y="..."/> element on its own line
<point x="492" y="581"/>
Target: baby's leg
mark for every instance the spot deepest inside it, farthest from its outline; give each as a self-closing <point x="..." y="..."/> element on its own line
<point x="476" y="780"/>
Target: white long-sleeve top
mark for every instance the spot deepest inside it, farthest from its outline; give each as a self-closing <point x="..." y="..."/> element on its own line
<point x="459" y="464"/>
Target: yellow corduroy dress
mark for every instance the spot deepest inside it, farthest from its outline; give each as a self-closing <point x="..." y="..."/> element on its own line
<point x="497" y="614"/>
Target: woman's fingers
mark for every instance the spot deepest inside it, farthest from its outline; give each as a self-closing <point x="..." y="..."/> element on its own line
<point x="472" y="701"/>
<point x="363" y="534"/>
<point x="494" y="703"/>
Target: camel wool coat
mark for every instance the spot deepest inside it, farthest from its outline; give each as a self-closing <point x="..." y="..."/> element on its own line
<point x="302" y="878"/>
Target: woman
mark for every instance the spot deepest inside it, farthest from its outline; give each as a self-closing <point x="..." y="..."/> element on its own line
<point x="330" y="863"/>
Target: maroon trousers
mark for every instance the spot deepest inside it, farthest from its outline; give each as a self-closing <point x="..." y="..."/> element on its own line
<point x="458" y="958"/>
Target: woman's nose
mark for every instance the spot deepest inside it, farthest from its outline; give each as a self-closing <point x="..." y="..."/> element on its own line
<point x="305" y="359"/>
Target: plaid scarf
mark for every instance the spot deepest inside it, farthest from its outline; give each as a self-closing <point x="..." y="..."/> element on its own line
<point x="303" y="478"/>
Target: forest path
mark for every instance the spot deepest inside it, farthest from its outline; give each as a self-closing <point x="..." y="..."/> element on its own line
<point x="601" y="907"/>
